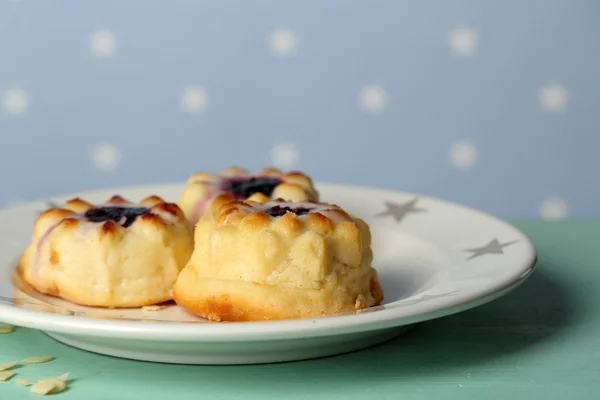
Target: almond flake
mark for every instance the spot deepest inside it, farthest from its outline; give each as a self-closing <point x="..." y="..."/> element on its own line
<point x="8" y="365"/>
<point x="37" y="360"/>
<point x="6" y="375"/>
<point x="59" y="385"/>
<point x="42" y="388"/>
<point x="25" y="382"/>
<point x="63" y="377"/>
<point x="152" y="308"/>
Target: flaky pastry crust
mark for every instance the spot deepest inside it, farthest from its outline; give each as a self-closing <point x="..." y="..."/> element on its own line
<point x="278" y="260"/>
<point x="129" y="259"/>
<point x="232" y="184"/>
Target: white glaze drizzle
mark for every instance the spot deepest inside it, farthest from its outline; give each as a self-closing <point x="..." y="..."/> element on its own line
<point x="214" y="187"/>
<point x="85" y="226"/>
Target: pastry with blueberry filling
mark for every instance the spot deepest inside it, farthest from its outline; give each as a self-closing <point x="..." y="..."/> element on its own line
<point x="234" y="184"/>
<point x="274" y="260"/>
<point x="117" y="254"/>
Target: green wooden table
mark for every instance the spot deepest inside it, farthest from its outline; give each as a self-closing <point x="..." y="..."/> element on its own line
<point x="542" y="340"/>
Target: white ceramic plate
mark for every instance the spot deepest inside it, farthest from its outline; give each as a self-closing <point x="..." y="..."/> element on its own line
<point x="434" y="258"/>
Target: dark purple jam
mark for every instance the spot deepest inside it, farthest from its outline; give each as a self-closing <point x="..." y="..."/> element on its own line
<point x="124" y="216"/>
<point x="244" y="187"/>
<point x="278" y="211"/>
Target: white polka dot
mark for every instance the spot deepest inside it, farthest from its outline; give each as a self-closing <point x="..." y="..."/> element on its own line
<point x="553" y="209"/>
<point x="194" y="99"/>
<point x="373" y="98"/>
<point x="553" y="97"/>
<point x="282" y="42"/>
<point x="284" y="156"/>
<point x="103" y="43"/>
<point x="15" y="102"/>
<point x="463" y="154"/>
<point x="463" y="40"/>
<point x="106" y="157"/>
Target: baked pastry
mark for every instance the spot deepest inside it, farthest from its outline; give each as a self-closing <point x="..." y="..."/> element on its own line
<point x="278" y="260"/>
<point x="238" y="184"/>
<point x="116" y="254"/>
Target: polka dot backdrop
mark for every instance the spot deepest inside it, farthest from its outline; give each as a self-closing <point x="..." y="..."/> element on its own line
<point x="488" y="104"/>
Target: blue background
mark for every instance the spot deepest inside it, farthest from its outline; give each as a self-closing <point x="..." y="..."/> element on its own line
<point x="131" y="99"/>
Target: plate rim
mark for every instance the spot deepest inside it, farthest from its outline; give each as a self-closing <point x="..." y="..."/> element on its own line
<point x="271" y="330"/>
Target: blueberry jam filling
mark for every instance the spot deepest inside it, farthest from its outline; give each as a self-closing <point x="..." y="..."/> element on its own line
<point x="278" y="211"/>
<point x="124" y="216"/>
<point x="243" y="188"/>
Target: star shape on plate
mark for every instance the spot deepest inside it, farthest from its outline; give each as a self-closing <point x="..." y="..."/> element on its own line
<point x="399" y="211"/>
<point x="493" y="247"/>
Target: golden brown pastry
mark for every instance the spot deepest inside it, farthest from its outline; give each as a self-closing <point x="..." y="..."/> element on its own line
<point x="278" y="260"/>
<point x="239" y="184"/>
<point x="116" y="254"/>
